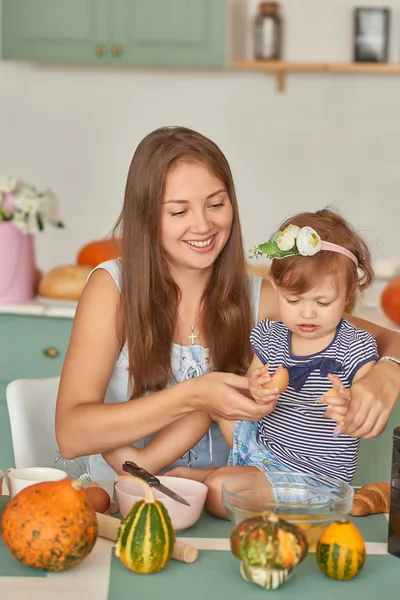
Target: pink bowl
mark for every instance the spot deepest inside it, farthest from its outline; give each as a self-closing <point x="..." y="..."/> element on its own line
<point x="182" y="516"/>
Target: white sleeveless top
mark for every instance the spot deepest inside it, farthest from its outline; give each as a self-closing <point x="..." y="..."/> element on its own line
<point x="186" y="362"/>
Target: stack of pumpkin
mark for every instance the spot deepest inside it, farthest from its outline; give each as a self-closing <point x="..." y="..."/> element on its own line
<point x="66" y="282"/>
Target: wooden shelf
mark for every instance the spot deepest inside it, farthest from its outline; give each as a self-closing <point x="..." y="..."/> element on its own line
<point x="279" y="69"/>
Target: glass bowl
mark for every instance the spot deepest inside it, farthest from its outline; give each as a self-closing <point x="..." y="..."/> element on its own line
<point x="311" y="502"/>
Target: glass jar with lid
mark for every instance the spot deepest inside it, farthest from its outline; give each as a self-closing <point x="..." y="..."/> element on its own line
<point x="268" y="32"/>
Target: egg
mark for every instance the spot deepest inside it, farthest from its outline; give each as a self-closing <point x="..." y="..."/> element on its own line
<point x="280" y="379"/>
<point x="98" y="498"/>
<point x="331" y="392"/>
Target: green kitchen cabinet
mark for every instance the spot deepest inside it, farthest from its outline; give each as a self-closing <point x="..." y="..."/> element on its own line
<point x="54" y="30"/>
<point x="185" y="33"/>
<point x="30" y="346"/>
<point x="169" y="32"/>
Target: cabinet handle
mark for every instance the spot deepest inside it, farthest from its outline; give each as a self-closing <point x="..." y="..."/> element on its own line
<point x="101" y="50"/>
<point x="51" y="352"/>
<point x="116" y="50"/>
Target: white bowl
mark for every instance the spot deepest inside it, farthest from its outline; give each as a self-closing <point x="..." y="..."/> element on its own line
<point x="182" y="516"/>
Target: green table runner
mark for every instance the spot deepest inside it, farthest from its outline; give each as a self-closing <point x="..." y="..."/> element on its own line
<point x="216" y="576"/>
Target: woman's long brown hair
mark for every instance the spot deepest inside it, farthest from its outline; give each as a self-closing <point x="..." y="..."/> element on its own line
<point x="150" y="296"/>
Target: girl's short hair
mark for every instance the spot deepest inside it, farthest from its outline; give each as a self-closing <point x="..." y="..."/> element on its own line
<point x="301" y="273"/>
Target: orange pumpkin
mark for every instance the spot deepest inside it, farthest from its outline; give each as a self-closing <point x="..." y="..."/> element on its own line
<point x="390" y="300"/>
<point x="99" y="251"/>
<point x="50" y="525"/>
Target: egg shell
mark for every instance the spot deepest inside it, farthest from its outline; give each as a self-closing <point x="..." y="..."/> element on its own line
<point x="98" y="498"/>
<point x="280" y="379"/>
<point x="331" y="392"/>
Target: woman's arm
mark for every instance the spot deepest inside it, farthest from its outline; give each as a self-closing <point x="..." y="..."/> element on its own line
<point x="388" y="340"/>
<point x="374" y="396"/>
<point x="85" y="425"/>
<point x="268" y="308"/>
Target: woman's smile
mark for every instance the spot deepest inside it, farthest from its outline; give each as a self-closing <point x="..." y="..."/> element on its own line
<point x="202" y="246"/>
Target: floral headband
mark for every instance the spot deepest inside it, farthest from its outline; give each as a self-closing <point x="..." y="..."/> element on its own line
<point x="294" y="240"/>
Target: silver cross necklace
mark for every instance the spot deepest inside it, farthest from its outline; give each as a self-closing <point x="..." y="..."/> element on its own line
<point x="192" y="337"/>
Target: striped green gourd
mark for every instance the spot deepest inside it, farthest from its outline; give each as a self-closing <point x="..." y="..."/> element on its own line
<point x="340" y="551"/>
<point x="146" y="536"/>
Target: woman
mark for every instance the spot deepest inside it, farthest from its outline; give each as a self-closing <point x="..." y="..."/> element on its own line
<point x="179" y="302"/>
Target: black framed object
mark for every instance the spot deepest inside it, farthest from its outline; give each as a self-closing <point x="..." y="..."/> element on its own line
<point x="371" y="34"/>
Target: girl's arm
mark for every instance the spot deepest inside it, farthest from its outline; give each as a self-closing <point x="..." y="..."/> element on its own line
<point x="86" y="425"/>
<point x="166" y="447"/>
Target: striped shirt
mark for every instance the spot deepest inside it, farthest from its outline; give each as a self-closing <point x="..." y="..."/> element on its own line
<point x="296" y="431"/>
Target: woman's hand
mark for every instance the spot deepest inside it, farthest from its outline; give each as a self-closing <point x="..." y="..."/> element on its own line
<point x="373" y="398"/>
<point x="257" y="379"/>
<point x="223" y="395"/>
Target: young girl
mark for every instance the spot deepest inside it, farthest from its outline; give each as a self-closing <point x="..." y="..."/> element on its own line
<point x="319" y="265"/>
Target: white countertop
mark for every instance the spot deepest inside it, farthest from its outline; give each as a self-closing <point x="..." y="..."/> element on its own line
<point x="47" y="307"/>
<point x="41" y="307"/>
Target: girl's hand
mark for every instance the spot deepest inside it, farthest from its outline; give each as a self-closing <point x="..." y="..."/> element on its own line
<point x="338" y="403"/>
<point x="257" y="379"/>
<point x="223" y="395"/>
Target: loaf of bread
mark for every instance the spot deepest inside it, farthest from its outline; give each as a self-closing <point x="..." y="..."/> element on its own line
<point x="65" y="282"/>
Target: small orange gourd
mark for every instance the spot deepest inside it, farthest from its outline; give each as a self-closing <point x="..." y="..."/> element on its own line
<point x="390" y="300"/>
<point x="99" y="251"/>
<point x="50" y="525"/>
<point x="341" y="551"/>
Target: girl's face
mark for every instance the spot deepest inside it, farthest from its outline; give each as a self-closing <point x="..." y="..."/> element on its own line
<point x="196" y="217"/>
<point x="315" y="314"/>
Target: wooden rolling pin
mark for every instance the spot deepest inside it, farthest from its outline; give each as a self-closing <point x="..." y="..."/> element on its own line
<point x="108" y="528"/>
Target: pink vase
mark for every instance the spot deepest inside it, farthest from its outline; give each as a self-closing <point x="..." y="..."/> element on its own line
<point x="17" y="264"/>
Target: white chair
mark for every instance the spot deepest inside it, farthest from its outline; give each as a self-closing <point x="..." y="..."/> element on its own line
<point x="31" y="407"/>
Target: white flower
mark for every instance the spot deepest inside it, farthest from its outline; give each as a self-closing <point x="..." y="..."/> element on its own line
<point x="8" y="183"/>
<point x="308" y="241"/>
<point x="28" y="201"/>
<point x="28" y="208"/>
<point x="49" y="206"/>
<point x="20" y="222"/>
<point x="287" y="239"/>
